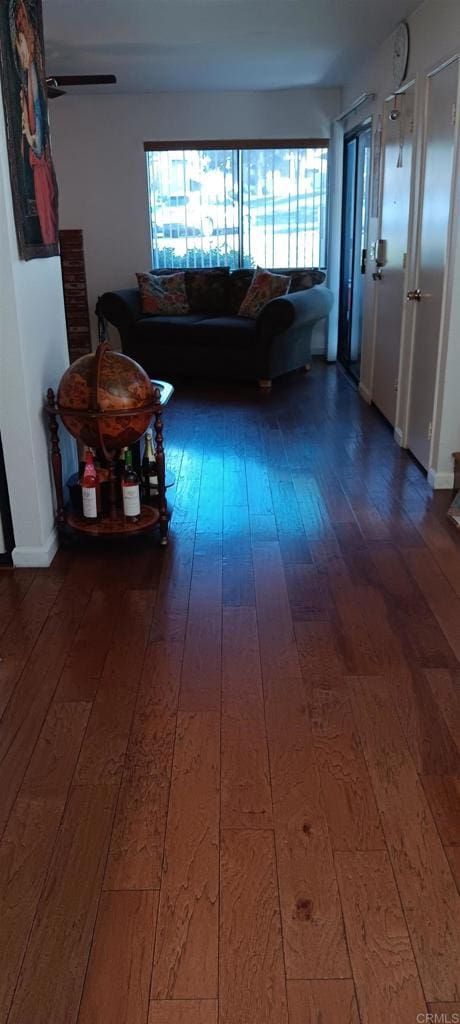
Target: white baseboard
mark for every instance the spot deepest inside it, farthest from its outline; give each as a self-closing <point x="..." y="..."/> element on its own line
<point x="440" y="481"/>
<point x="365" y="393"/>
<point x="36" y="558"/>
<point x="398" y="436"/>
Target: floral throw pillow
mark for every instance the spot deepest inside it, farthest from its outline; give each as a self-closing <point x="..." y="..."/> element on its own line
<point x="163" y="295"/>
<point x="264" y="286"/>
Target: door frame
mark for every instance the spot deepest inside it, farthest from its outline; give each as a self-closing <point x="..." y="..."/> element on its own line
<point x="353" y="133"/>
<point x="412" y="83"/>
<point x="412" y="270"/>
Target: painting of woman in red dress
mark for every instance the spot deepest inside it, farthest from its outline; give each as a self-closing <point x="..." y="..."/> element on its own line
<point x="24" y="93"/>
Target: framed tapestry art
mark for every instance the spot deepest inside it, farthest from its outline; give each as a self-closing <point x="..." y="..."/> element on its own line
<point x="33" y="181"/>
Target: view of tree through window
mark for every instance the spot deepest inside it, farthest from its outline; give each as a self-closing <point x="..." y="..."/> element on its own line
<point x="238" y="207"/>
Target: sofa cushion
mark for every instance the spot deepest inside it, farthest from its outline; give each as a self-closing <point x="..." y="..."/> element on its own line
<point x="165" y="329"/>
<point x="264" y="287"/>
<point x="163" y="295"/>
<point x="227" y="332"/>
<point x="207" y="289"/>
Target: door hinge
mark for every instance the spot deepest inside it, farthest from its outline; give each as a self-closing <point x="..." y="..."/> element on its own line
<point x="429" y="431"/>
<point x="404" y="260"/>
<point x="454" y="115"/>
<point x="396" y="385"/>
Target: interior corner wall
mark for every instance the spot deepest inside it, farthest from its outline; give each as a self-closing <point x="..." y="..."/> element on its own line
<point x="434" y="37"/>
<point x="33" y="355"/>
<point x="100" y="160"/>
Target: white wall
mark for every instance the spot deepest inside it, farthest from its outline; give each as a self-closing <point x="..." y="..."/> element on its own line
<point x="434" y="37"/>
<point x="100" y="161"/>
<point x="33" y="355"/>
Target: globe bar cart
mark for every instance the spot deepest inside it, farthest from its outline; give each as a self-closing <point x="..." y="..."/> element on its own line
<point x="101" y="412"/>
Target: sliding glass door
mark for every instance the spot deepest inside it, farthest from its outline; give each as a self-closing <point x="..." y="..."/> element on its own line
<point x="355" y="220"/>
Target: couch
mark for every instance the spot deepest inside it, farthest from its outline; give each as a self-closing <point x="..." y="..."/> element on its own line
<point x="212" y="340"/>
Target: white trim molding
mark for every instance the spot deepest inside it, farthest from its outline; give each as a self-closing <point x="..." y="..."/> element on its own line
<point x="36" y="557"/>
<point x="399" y="437"/>
<point x="365" y="393"/>
<point x="440" y="481"/>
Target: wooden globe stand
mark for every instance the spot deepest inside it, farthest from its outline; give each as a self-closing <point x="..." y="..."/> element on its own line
<point x="113" y="524"/>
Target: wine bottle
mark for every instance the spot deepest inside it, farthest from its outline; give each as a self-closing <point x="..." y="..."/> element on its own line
<point x="130" y="490"/>
<point x="90" y="489"/>
<point x="149" y="469"/>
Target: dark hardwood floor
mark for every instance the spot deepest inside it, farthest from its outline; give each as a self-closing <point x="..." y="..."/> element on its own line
<point x="230" y="770"/>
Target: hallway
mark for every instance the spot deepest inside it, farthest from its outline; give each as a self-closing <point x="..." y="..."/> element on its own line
<point x="230" y="770"/>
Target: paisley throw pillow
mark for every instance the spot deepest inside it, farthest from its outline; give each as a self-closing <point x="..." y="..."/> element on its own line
<point x="163" y="295"/>
<point x="264" y="286"/>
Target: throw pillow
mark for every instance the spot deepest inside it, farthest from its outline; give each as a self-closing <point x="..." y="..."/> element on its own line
<point x="303" y="279"/>
<point x="264" y="287"/>
<point x="163" y="295"/>
<point x="239" y="283"/>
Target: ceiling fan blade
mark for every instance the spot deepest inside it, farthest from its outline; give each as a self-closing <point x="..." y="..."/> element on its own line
<point x="85" y="79"/>
<point x="52" y="91"/>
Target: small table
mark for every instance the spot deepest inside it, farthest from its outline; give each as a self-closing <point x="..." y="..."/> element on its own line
<point x="114" y="524"/>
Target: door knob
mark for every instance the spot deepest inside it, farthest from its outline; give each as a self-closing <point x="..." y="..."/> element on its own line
<point x="414" y="296"/>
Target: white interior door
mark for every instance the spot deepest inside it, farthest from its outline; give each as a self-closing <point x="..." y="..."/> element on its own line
<point x="397" y="170"/>
<point x="432" y="256"/>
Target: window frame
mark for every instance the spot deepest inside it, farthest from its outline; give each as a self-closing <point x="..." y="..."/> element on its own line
<point x="169" y="145"/>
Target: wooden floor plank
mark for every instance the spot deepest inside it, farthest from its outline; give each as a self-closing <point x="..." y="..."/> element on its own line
<point x="443" y="795"/>
<point x="85" y="661"/>
<point x="117" y="981"/>
<point x="103" y="753"/>
<point x="313" y="937"/>
<point x="309" y="596"/>
<point x="52" y="974"/>
<point x="446" y="1013"/>
<point x="28" y="841"/>
<point x="184" y="1011"/>
<point x="251" y="975"/>
<point x="13" y="589"/>
<point x="186" y="943"/>
<point x="154" y="723"/>
<point x="453" y="856"/>
<point x="429" y="898"/>
<point x="322" y="1002"/>
<point x="320" y="656"/>
<point x="439" y="594"/>
<point x="23" y="632"/>
<point x="136" y="848"/>
<point x="245" y="786"/>
<point x="349" y="800"/>
<point x="387" y="982"/>
<point x="430" y="743"/>
<point x="201" y="667"/>
<point x="24" y="717"/>
<point x="445" y="686"/>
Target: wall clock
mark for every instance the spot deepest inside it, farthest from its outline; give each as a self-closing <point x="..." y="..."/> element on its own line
<point x="400" y="57"/>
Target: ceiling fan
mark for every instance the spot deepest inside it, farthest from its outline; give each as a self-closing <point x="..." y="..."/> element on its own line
<point x="54" y="83"/>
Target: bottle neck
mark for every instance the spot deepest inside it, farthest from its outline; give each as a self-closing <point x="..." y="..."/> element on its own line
<point x="148" y="450"/>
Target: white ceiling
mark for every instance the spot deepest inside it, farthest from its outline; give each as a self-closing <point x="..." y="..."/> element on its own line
<point x="153" y="45"/>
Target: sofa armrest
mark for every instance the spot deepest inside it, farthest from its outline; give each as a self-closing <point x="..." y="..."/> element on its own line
<point x="121" y="308"/>
<point x="293" y="310"/>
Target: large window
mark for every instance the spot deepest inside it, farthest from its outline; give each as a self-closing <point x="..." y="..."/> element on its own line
<point x="242" y="207"/>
